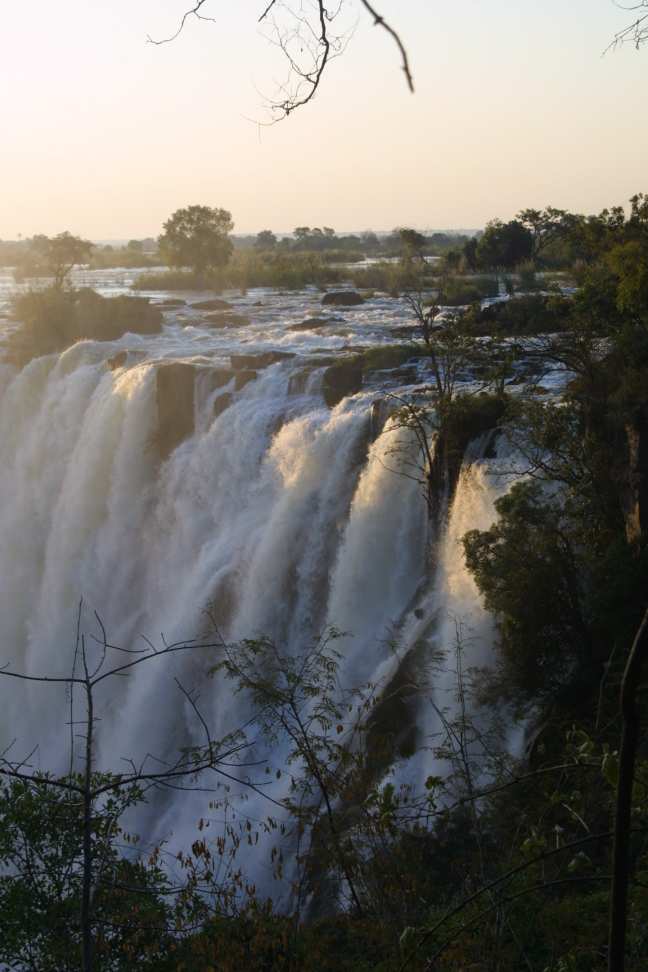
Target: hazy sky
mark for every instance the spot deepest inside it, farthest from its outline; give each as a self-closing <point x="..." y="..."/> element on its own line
<point x="106" y="135"/>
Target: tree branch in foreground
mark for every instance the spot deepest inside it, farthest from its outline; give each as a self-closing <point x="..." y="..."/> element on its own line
<point x="307" y="43"/>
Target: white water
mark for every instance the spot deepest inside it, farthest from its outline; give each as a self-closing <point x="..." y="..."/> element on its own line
<point x="279" y="515"/>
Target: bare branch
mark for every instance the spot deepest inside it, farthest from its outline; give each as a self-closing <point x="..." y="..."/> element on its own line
<point x="635" y="33"/>
<point x="307" y="43"/>
<point x="380" y="21"/>
<point x="194" y="12"/>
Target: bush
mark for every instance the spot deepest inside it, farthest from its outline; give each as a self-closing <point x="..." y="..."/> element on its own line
<point x="52" y="320"/>
<point x="523" y="316"/>
<point x="527" y="274"/>
<point x="388" y="356"/>
<point x="172" y="280"/>
<point x="458" y="291"/>
<point x="248" y="268"/>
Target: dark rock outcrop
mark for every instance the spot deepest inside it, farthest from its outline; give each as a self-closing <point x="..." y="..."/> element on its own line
<point x="243" y="378"/>
<point x="118" y="360"/>
<point x="298" y="381"/>
<point x="224" y="319"/>
<point x="341" y="380"/>
<point x="343" y="298"/>
<point x="212" y="305"/>
<point x="472" y="418"/>
<point x="377" y="418"/>
<point x="313" y="324"/>
<point x="221" y="403"/>
<point x="175" y="404"/>
<point x="218" y="377"/>
<point x="170" y="303"/>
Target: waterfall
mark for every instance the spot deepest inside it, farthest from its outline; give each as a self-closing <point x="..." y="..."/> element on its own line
<point x="277" y="516"/>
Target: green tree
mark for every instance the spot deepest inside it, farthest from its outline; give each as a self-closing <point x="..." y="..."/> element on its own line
<point x="412" y="242"/>
<point x="265" y="240"/>
<point x="54" y="256"/>
<point x="504" y="245"/>
<point x="197" y="237"/>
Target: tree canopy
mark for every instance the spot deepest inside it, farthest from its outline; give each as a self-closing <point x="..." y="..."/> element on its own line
<point x="54" y="256"/>
<point x="197" y="237"/>
<point x="505" y="245"/>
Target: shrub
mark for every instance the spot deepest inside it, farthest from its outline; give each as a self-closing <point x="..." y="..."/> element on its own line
<point x="523" y="316"/>
<point x="246" y="269"/>
<point x="52" y="320"/>
<point x="458" y="291"/>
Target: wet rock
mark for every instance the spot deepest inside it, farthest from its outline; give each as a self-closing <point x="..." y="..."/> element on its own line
<point x="218" y="377"/>
<point x="256" y="362"/>
<point x="313" y="324"/>
<point x="341" y="380"/>
<point x="223" y="319"/>
<point x="298" y="381"/>
<point x="212" y="305"/>
<point x="405" y="376"/>
<point x="343" y="298"/>
<point x="175" y="404"/>
<point x="243" y="378"/>
<point x="118" y="360"/>
<point x="377" y="418"/>
<point x="221" y="403"/>
<point x="170" y="303"/>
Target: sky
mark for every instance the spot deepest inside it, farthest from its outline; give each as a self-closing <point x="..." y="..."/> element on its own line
<point x="105" y="134"/>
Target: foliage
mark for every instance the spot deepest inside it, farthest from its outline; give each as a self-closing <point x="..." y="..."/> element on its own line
<point x="52" y="320"/>
<point x="519" y="316"/>
<point x="197" y="237"/>
<point x="265" y="240"/>
<point x="250" y="268"/>
<point x="41" y="829"/>
<point x="53" y="257"/>
<point x="458" y="291"/>
<point x="412" y="241"/>
<point x="130" y="257"/>
<point x="388" y="356"/>
<point x="504" y="245"/>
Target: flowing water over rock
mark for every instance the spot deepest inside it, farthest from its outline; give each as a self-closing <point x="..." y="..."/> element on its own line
<point x="149" y="479"/>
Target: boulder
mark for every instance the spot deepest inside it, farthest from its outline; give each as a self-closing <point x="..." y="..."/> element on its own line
<point x="312" y="324"/>
<point x="212" y="305"/>
<point x="221" y="403"/>
<point x="218" y="377"/>
<point x="343" y="298"/>
<point x="223" y="319"/>
<point x="242" y="379"/>
<point x="170" y="303"/>
<point x="118" y="360"/>
<point x="175" y="405"/>
<point x="298" y="381"/>
<point x="257" y="362"/>
<point x="341" y="380"/>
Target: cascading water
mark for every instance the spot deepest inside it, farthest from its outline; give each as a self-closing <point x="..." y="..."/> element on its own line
<point x="279" y="516"/>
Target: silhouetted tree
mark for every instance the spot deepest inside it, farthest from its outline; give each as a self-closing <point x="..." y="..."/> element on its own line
<point x="197" y="237"/>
